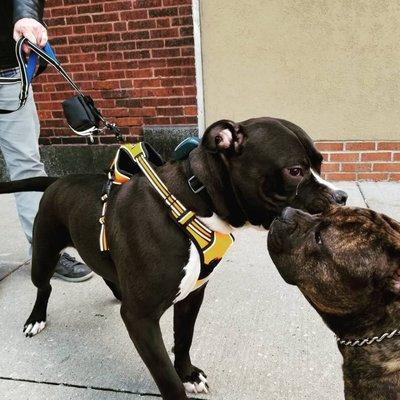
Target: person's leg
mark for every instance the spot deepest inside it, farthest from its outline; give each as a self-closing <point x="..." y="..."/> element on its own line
<point x="19" y="135"/>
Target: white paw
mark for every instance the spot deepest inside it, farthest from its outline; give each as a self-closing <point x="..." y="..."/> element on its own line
<point x="34" y="329"/>
<point x="197" y="387"/>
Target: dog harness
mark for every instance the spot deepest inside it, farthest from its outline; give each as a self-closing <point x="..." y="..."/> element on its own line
<point x="211" y="245"/>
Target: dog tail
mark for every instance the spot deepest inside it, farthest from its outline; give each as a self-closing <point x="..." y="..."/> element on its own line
<point x="38" y="184"/>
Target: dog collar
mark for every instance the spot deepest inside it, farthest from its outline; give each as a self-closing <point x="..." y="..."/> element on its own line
<point x="367" y="341"/>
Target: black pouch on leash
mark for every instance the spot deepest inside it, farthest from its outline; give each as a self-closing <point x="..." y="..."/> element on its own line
<point x="81" y="114"/>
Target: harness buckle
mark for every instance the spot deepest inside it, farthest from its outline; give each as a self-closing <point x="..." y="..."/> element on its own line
<point x="195" y="184"/>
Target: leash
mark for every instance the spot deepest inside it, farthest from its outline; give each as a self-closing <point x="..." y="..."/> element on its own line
<point x="367" y="341"/>
<point x="82" y="116"/>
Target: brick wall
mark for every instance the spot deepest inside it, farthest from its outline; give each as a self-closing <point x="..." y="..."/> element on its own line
<point x="134" y="57"/>
<point x="366" y="160"/>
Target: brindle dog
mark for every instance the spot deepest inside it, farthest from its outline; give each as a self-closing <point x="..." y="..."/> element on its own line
<point x="346" y="263"/>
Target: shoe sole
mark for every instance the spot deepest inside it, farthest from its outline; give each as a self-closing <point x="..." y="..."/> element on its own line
<point x="67" y="279"/>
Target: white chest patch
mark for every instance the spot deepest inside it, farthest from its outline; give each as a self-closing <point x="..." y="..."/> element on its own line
<point x="216" y="224"/>
<point x="193" y="267"/>
<point x="192" y="272"/>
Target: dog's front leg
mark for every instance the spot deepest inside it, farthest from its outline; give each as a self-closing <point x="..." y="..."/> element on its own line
<point x="146" y="336"/>
<point x="185" y="315"/>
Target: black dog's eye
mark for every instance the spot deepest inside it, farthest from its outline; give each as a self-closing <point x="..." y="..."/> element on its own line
<point x="296" y="171"/>
<point x="318" y="238"/>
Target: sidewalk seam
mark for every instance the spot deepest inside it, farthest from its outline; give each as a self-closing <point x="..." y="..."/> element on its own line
<point x="17" y="267"/>
<point x="77" y="386"/>
<point x="362" y="194"/>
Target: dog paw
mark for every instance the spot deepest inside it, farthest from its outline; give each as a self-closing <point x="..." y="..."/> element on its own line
<point x="33" y="328"/>
<point x="196" y="382"/>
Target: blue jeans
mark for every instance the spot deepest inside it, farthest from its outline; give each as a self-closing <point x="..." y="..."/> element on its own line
<point x="19" y="134"/>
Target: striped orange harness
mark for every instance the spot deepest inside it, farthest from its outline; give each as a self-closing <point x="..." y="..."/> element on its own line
<point x="210" y="244"/>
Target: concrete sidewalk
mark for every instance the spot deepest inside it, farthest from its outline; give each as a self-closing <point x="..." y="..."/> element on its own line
<point x="256" y="337"/>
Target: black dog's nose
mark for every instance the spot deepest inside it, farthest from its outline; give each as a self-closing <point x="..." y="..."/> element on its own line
<point x="340" y="197"/>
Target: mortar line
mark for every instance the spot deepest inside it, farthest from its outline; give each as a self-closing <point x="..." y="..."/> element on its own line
<point x="362" y="194"/>
<point x="77" y="386"/>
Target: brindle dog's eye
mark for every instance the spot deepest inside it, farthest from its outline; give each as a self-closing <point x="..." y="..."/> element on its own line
<point x="296" y="171"/>
<point x="318" y="238"/>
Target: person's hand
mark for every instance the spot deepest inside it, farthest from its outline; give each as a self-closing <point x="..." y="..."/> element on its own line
<point x="32" y="30"/>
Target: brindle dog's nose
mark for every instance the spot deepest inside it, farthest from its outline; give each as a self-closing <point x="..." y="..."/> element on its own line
<point x="340" y="197"/>
<point x="288" y="213"/>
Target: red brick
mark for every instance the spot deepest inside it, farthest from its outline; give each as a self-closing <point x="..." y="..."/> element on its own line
<point x="344" y="157"/>
<point x="105" y="17"/>
<point x="356" y="167"/>
<point x="329" y="146"/>
<point x="99" y="28"/>
<point x="373" y="176"/>
<point x="163" y="12"/>
<point x="184" y="120"/>
<point x="187" y="51"/>
<point x="139" y="83"/>
<point x="163" y="22"/>
<point x="134" y="15"/>
<point x="142" y="24"/>
<point x="182" y="21"/>
<point x="378" y="156"/>
<point x="360" y="146"/>
<point x="179" y="42"/>
<point x="130" y="121"/>
<point x="186" y="10"/>
<point x="150" y="44"/>
<point x="165" y="32"/>
<point x="107" y="84"/>
<point x="147" y="3"/>
<point x="91" y="9"/>
<point x="176" y="2"/>
<point x="168" y="53"/>
<point x="330" y="167"/>
<point x="344" y="176"/>
<point x="190" y="110"/>
<point x="133" y="35"/>
<point x="394" y="177"/>
<point x="117" y="5"/>
<point x="396" y="157"/>
<point x="389" y="145"/>
<point x="387" y="167"/>
<point x="62" y="12"/>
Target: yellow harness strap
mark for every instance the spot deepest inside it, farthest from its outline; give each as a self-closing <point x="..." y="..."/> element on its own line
<point x="211" y="245"/>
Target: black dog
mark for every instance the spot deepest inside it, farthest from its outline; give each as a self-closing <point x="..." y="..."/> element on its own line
<point x="251" y="171"/>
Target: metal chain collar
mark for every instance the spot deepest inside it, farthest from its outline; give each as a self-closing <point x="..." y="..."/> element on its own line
<point x="367" y="341"/>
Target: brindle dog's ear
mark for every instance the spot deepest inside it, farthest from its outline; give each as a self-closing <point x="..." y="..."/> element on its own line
<point x="223" y="136"/>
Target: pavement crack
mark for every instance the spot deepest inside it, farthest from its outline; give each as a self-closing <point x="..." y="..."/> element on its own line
<point x="362" y="194"/>
<point x="77" y="386"/>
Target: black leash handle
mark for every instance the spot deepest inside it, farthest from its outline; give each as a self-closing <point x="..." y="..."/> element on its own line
<point x="23" y="95"/>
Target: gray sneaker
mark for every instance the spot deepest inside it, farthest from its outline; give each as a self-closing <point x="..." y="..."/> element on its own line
<point x="70" y="269"/>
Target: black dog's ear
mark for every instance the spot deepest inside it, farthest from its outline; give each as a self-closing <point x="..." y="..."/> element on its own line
<point x="223" y="136"/>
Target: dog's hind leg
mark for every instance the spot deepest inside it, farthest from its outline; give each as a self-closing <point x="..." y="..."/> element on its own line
<point x="48" y="241"/>
<point x="146" y="336"/>
<point x="185" y="315"/>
